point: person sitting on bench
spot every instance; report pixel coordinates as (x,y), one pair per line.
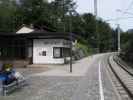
(8,73)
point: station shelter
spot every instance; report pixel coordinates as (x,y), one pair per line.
(36,46)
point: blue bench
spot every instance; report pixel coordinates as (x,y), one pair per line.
(13,85)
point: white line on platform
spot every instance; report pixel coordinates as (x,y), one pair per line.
(100,83)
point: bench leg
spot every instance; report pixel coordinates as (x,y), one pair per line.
(4,91)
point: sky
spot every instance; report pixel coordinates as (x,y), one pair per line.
(108,10)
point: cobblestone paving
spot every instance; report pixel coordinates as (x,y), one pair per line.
(32,70)
(46,88)
(66,87)
(89,86)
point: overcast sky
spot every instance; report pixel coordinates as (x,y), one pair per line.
(107,10)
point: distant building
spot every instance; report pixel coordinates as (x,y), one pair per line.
(36,46)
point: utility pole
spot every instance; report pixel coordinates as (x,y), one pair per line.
(95,8)
(118,27)
(64,26)
(96,26)
(118,30)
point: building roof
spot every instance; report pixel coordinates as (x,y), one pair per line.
(33,29)
(24,30)
(30,33)
(40,35)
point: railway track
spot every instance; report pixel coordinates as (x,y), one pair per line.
(122,78)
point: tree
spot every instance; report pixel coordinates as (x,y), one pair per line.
(61,10)
(60,15)
(105,36)
(127,46)
(44,13)
(7,10)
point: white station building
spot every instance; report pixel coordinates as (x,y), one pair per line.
(50,51)
(37,47)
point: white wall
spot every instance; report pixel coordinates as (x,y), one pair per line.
(47,45)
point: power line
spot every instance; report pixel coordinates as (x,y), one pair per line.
(124,12)
(120,18)
(129,7)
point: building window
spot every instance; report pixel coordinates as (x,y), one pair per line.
(57,52)
(42,53)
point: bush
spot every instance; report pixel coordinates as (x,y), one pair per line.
(81,50)
(127,49)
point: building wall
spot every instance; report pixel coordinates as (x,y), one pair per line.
(43,50)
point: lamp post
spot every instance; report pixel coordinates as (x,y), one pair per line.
(70,52)
(70,30)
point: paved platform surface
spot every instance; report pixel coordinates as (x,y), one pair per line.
(79,68)
(58,84)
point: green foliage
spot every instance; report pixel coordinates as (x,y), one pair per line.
(6,15)
(86,50)
(127,46)
(105,36)
(85,26)
(60,15)
(83,47)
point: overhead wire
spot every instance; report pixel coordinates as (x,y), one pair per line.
(127,9)
(130,6)
(120,18)
(123,12)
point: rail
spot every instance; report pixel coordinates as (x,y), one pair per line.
(118,74)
